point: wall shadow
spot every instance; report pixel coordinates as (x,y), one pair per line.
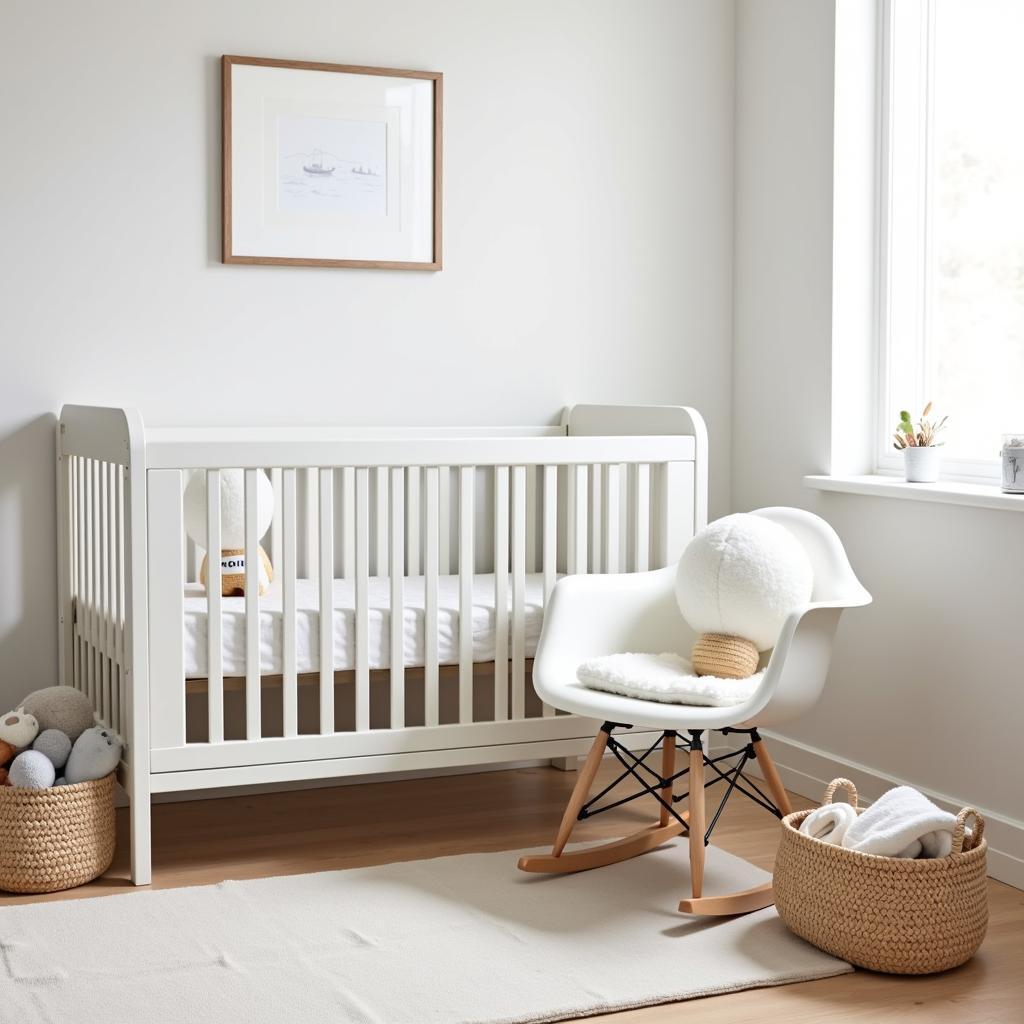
(28,556)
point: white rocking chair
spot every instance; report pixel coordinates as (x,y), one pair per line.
(589,616)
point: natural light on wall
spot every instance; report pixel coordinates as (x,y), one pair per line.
(952,310)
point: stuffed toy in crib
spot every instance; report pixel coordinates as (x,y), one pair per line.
(737,581)
(232,526)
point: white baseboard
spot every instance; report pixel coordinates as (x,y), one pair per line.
(807,771)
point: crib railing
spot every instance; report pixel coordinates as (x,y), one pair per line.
(95,617)
(359,508)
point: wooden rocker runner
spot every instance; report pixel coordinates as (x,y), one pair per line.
(589,616)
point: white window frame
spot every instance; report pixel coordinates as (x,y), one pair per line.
(904,270)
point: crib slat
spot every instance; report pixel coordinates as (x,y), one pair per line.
(253,686)
(444,519)
(362,599)
(519,592)
(550,529)
(275,522)
(431,694)
(467,483)
(76,563)
(113,473)
(412,521)
(214,659)
(326,601)
(531,518)
(576,516)
(103,706)
(596,525)
(380,560)
(397,603)
(348,523)
(90,580)
(310,532)
(501,593)
(166,606)
(610,503)
(289,570)
(642,520)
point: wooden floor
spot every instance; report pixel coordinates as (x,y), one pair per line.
(206,841)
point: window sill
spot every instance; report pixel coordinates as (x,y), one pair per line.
(946,492)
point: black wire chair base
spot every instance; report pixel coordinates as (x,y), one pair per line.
(727,768)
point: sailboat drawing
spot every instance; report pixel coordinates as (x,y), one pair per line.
(317,166)
(365,172)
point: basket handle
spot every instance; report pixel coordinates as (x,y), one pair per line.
(960,844)
(841,784)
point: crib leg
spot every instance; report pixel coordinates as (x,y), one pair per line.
(565,764)
(140,828)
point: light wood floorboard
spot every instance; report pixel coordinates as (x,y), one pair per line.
(205,841)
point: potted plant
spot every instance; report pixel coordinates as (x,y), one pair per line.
(919,447)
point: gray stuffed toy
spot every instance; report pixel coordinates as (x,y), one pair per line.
(95,754)
(55,745)
(59,707)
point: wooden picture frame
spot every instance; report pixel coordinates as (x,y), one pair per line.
(379,221)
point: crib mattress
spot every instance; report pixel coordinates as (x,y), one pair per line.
(307,624)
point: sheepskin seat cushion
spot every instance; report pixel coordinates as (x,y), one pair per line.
(667,678)
(741,576)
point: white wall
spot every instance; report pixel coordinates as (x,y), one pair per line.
(588,235)
(927,684)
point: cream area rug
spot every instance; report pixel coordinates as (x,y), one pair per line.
(453,940)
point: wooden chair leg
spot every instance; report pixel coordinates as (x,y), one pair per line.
(668,768)
(580,792)
(696,820)
(771,776)
(617,850)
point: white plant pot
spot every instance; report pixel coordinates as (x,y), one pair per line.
(921,465)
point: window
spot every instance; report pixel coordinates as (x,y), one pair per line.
(951,315)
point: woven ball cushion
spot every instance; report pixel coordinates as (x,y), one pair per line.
(667,678)
(741,576)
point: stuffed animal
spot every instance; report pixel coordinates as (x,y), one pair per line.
(59,707)
(232,526)
(737,581)
(7,751)
(3,777)
(55,745)
(18,729)
(95,754)
(31,770)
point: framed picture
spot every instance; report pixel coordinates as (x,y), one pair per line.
(331,165)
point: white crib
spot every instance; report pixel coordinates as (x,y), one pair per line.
(411,571)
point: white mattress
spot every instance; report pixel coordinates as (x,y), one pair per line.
(307,624)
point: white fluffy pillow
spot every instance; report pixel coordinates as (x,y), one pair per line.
(742,576)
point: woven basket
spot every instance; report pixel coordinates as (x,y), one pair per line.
(884,913)
(55,838)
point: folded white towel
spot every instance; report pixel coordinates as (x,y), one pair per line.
(897,821)
(829,823)
(667,678)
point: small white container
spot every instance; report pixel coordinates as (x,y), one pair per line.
(921,464)
(1012,455)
